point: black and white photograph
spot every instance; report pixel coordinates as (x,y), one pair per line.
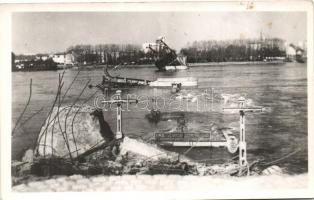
(159,100)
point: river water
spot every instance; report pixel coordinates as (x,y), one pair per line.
(278,131)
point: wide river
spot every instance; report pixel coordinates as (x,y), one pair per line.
(273,134)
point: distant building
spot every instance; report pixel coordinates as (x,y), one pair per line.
(69,59)
(291,52)
(301,55)
(59,58)
(299,52)
(20,66)
(23,58)
(42,57)
(45,57)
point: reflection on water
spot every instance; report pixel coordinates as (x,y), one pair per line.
(279,131)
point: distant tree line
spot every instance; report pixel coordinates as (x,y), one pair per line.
(128,54)
(112,54)
(234,50)
(13,66)
(31,64)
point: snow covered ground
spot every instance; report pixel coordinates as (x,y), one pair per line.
(162,183)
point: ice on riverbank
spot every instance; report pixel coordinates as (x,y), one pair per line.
(69,129)
(145,150)
(167,82)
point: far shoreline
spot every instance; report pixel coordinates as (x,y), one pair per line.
(199,64)
(98,66)
(235,63)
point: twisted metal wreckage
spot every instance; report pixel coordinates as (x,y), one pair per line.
(72,142)
(166,59)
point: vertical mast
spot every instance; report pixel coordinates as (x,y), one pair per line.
(242,143)
(119,116)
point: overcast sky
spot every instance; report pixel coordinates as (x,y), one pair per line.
(49,32)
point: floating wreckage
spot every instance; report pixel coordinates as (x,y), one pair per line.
(156,116)
(166,58)
(168,82)
(122,81)
(115,82)
(175,87)
(182,137)
(112,82)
